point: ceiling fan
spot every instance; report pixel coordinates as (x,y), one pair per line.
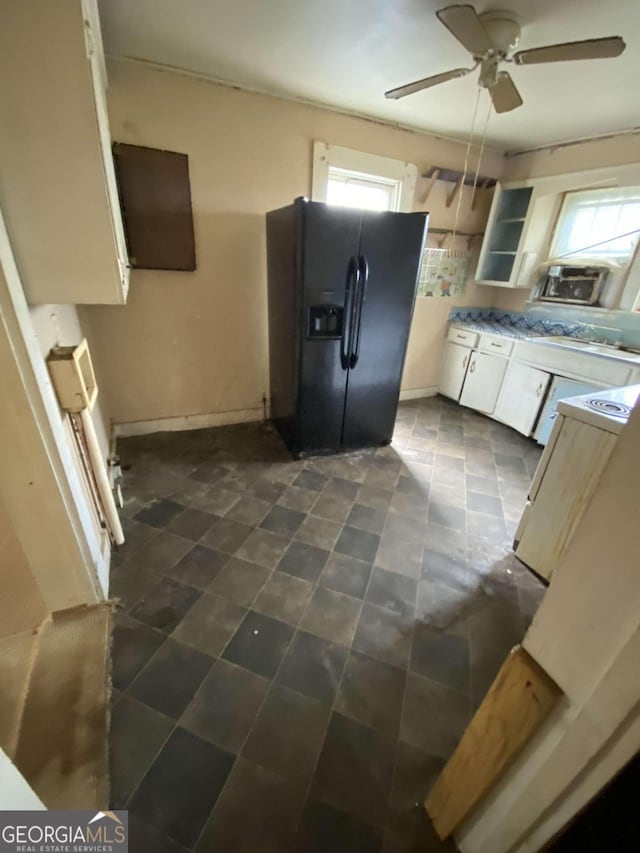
(491,39)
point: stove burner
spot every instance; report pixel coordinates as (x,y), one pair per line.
(609,407)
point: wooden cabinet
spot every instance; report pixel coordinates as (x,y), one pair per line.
(483,381)
(501,257)
(57,179)
(521,396)
(454,369)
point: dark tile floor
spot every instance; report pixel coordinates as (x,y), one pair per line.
(299,645)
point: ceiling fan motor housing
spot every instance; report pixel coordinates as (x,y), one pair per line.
(503,30)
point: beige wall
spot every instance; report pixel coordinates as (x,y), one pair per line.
(430,326)
(593,154)
(508,299)
(196,343)
(21,604)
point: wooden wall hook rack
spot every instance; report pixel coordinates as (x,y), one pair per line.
(454,176)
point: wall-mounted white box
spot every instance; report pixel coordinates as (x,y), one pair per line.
(73,377)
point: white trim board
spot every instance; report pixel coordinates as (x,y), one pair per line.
(185,422)
(417,393)
(325,156)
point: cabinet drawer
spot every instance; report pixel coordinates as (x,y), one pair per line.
(462,336)
(496,344)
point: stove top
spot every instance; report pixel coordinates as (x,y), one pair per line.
(608,407)
(608,410)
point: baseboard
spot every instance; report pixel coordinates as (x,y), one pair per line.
(214,419)
(182,422)
(416,393)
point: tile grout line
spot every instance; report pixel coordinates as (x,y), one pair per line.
(178,720)
(502,483)
(273,681)
(406,682)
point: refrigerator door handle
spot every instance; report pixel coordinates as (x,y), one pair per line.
(363,270)
(347,321)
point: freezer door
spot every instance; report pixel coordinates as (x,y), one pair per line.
(328,265)
(390,251)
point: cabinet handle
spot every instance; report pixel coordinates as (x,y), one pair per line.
(472,367)
(539,389)
(466,358)
(461,337)
(494,344)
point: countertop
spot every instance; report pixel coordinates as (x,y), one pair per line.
(493,328)
(608,410)
(544,337)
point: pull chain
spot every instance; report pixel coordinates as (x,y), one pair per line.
(484,138)
(466,165)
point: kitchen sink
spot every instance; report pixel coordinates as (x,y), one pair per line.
(610,350)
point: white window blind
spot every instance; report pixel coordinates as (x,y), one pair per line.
(598,224)
(347,188)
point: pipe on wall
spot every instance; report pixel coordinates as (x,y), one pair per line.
(101,477)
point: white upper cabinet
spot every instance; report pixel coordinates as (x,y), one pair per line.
(57,181)
(502,257)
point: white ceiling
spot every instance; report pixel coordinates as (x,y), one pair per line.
(346,53)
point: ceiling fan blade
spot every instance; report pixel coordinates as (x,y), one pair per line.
(604,48)
(463,22)
(426,83)
(504,94)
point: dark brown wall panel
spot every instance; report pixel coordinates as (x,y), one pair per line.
(155,197)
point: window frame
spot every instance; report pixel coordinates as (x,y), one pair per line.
(327,156)
(566,197)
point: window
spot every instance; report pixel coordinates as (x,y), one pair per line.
(355,179)
(601,224)
(357,189)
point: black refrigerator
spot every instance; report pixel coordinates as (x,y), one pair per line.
(342,286)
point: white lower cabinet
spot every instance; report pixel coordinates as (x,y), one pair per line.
(521,396)
(565,480)
(483,381)
(454,368)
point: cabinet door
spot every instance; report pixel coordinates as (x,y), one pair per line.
(574,464)
(454,367)
(56,176)
(483,380)
(521,396)
(95,52)
(561,388)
